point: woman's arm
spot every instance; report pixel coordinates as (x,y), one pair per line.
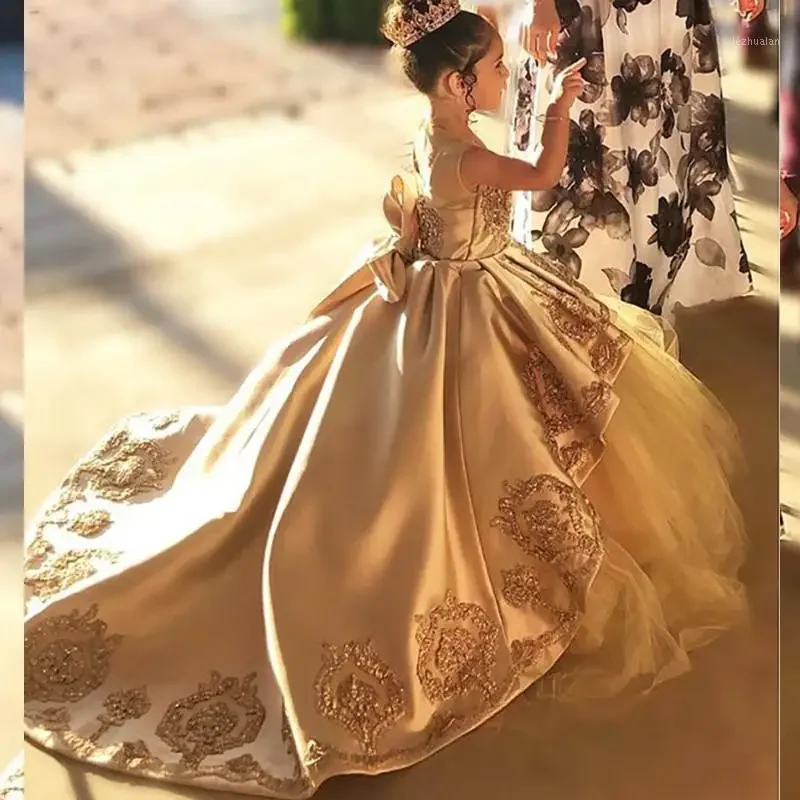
(490,12)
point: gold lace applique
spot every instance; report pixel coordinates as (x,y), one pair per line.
(431,228)
(529,653)
(135,757)
(314,754)
(124,466)
(356,689)
(65,570)
(589,324)
(90,524)
(67,657)
(555,268)
(569,424)
(457,651)
(122,707)
(553,522)
(495,208)
(522,589)
(223,714)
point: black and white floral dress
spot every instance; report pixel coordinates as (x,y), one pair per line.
(644,208)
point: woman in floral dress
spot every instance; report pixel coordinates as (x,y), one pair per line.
(645,207)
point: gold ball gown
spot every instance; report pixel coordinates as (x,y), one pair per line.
(462,479)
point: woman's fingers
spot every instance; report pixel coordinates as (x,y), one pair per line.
(574,68)
(542,42)
(539,50)
(489,13)
(573,80)
(552,41)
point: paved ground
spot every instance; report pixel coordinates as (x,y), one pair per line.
(158,271)
(103,72)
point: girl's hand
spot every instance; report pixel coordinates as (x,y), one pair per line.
(544,30)
(568,85)
(788,213)
(750,10)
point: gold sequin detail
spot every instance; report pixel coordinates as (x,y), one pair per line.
(121,468)
(65,570)
(431,228)
(314,754)
(67,657)
(522,589)
(223,714)
(495,208)
(555,268)
(457,651)
(121,707)
(589,325)
(529,653)
(553,522)
(360,692)
(89,524)
(135,758)
(572,426)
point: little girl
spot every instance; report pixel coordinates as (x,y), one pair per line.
(463,478)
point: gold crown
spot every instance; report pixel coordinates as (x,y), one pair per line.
(411,24)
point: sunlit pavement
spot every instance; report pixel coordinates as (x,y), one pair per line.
(158,272)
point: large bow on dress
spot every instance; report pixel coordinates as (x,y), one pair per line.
(387,260)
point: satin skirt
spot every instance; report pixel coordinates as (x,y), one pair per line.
(428,500)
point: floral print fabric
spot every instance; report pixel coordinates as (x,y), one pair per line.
(644,208)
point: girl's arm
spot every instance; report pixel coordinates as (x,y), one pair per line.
(480,167)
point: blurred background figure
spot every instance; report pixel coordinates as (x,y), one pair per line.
(166,250)
(11,406)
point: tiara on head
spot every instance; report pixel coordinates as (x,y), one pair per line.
(412,24)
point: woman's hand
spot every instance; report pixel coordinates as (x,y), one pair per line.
(489,13)
(544,30)
(568,85)
(788,213)
(750,10)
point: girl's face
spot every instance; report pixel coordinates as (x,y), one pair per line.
(492,76)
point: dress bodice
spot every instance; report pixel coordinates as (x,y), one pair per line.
(456,223)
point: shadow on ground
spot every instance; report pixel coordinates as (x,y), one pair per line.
(86,243)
